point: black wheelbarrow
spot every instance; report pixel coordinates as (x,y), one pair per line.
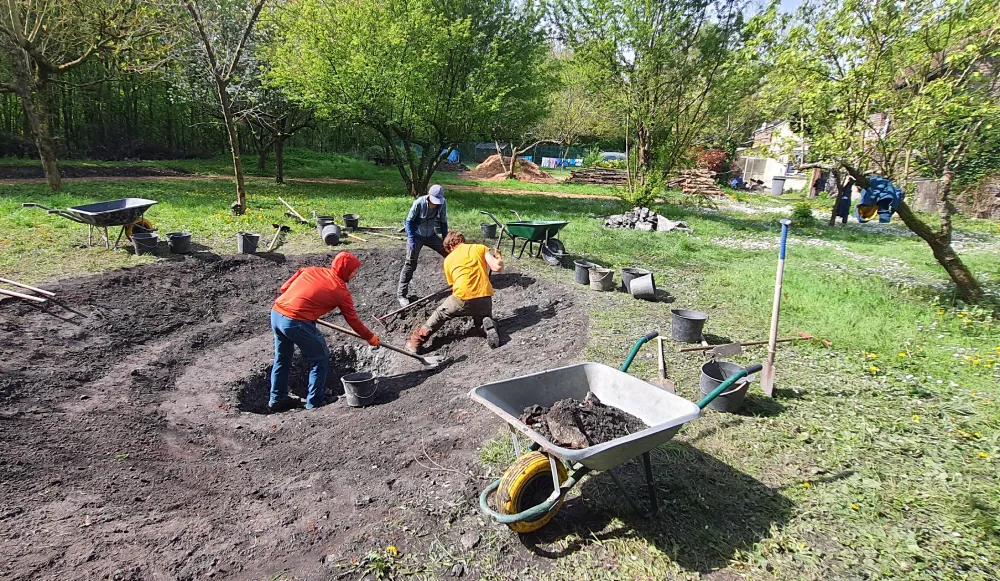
(543,233)
(127,213)
(532,489)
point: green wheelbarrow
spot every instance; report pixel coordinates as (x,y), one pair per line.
(531,232)
(532,489)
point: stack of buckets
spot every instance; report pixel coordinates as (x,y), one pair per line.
(636,281)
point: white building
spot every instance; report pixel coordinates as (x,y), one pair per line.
(777,150)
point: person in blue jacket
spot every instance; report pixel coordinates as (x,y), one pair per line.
(428,215)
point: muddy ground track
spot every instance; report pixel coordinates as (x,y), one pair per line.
(134,447)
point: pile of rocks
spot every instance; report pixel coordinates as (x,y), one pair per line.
(640,218)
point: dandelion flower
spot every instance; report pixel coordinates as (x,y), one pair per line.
(916,418)
(901,354)
(854,507)
(984,455)
(807,485)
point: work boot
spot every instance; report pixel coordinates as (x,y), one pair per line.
(403,301)
(492,337)
(417,339)
(282,405)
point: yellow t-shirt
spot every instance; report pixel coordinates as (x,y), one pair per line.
(466,271)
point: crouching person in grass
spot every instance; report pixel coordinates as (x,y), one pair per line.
(310,294)
(467,269)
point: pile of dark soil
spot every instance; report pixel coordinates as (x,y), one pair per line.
(492,169)
(133,447)
(78,171)
(575,424)
(452,167)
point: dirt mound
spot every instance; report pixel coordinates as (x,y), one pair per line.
(452,167)
(77,171)
(492,169)
(578,424)
(133,447)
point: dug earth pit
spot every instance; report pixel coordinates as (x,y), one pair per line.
(134,446)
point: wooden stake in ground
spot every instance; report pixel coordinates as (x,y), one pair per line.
(767,374)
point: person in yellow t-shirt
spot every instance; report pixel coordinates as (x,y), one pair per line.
(467,269)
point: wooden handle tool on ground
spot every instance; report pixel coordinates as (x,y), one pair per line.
(18,295)
(28,287)
(428,360)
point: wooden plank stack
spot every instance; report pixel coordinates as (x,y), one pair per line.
(697,181)
(598,176)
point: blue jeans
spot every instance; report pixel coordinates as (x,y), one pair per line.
(410,264)
(287,334)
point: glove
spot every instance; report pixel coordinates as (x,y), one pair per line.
(374,342)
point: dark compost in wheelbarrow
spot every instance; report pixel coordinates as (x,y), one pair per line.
(576,424)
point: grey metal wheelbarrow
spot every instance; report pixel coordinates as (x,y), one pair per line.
(532,489)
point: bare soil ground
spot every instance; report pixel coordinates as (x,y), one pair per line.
(134,447)
(77,171)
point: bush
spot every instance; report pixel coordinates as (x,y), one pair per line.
(611,164)
(592,157)
(802,215)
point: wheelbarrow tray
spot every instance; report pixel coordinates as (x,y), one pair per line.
(110,213)
(663,412)
(535,231)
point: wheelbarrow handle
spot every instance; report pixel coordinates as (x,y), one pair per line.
(492,217)
(635,349)
(534,513)
(34,205)
(519,218)
(729,383)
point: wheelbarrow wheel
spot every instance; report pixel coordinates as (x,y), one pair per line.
(526,483)
(553,251)
(140,225)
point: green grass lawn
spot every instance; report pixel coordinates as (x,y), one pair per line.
(879,459)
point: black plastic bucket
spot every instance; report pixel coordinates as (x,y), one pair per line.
(686,326)
(323,222)
(351,220)
(359,388)
(246,242)
(489,230)
(331,234)
(581,274)
(145,242)
(179,242)
(713,374)
(629,273)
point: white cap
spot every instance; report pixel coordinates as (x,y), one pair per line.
(436,194)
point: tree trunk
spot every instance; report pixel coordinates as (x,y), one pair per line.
(645,156)
(279,155)
(33,102)
(968,287)
(234,144)
(261,160)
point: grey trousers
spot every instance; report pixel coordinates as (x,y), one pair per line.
(410,264)
(453,307)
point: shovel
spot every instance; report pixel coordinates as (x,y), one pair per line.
(428,360)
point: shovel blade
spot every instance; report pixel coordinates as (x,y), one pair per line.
(727,350)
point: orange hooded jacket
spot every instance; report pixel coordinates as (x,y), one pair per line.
(315,291)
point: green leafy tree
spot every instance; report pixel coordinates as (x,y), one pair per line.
(426,75)
(41,42)
(660,64)
(899,89)
(223,29)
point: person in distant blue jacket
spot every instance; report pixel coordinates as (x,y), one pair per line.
(428,214)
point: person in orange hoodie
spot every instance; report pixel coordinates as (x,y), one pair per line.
(311,293)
